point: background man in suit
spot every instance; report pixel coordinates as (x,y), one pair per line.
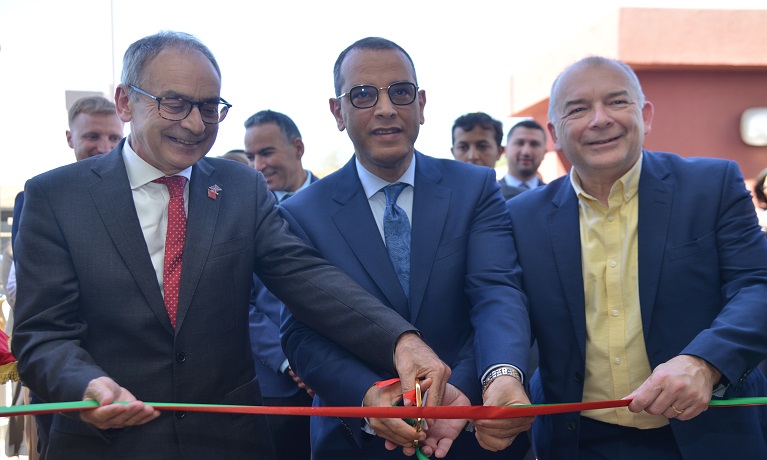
(109,292)
(273,143)
(635,290)
(525,149)
(477,139)
(94,129)
(451,275)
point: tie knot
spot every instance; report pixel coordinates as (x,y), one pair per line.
(175,184)
(392,192)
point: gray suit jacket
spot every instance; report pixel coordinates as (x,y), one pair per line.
(90,305)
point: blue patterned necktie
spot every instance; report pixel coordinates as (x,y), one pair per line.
(397,235)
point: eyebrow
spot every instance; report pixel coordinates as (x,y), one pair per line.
(175,95)
(618,93)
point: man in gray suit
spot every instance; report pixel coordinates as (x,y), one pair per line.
(110,309)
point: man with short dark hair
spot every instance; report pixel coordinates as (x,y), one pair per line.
(114,305)
(525,149)
(477,139)
(273,143)
(428,237)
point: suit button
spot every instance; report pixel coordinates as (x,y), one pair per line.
(578,377)
(180,414)
(572,426)
(181,356)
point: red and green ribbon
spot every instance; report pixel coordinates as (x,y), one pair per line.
(432,412)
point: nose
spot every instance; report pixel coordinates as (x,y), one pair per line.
(104,145)
(260,162)
(384,107)
(601,118)
(472,154)
(193,122)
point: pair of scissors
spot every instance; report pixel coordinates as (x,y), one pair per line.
(418,403)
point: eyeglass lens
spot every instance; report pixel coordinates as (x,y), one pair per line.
(178,109)
(365,96)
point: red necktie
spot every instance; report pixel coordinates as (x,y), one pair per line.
(174,242)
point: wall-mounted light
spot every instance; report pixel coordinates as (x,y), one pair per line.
(753,126)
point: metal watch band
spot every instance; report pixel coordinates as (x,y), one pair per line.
(495,373)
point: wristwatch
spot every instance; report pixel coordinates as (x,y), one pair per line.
(497,372)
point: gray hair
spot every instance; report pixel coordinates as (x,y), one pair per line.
(596,61)
(141,52)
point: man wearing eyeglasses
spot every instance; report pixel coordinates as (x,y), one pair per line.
(135,269)
(429,238)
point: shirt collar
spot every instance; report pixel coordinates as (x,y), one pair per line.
(627,185)
(140,172)
(372,184)
(280,193)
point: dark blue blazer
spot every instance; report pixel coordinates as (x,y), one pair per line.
(264,317)
(464,277)
(702,291)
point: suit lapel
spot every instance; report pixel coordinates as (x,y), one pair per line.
(655,198)
(430,206)
(356,224)
(564,230)
(201,223)
(113,198)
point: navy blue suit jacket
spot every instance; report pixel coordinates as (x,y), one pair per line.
(264,319)
(702,291)
(89,305)
(463,276)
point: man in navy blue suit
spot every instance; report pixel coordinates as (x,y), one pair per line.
(457,283)
(273,144)
(646,275)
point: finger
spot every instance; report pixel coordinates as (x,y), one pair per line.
(492,443)
(443,446)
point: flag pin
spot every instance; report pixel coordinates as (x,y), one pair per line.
(213,191)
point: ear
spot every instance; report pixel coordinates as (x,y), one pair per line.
(69,139)
(122,104)
(422,102)
(335,109)
(299,145)
(647,113)
(554,138)
(501,149)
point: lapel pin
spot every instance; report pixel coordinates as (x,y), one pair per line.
(213,191)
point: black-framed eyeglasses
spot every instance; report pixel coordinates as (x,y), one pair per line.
(366,96)
(176,109)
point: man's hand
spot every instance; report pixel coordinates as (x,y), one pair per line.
(106,391)
(415,360)
(498,434)
(680,388)
(300,383)
(395,431)
(442,433)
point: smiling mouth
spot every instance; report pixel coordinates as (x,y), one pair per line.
(387,131)
(182,141)
(606,141)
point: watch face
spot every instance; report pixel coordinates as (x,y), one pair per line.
(753,126)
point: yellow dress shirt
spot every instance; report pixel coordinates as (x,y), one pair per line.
(616,357)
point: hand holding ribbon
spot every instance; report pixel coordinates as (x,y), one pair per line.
(395,431)
(680,388)
(106,391)
(498,434)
